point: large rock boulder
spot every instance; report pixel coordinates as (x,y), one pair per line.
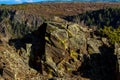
(55,50)
(93,45)
(65,42)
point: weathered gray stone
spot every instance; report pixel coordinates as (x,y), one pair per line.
(28,47)
(56,52)
(93,45)
(60,38)
(14,66)
(117,53)
(74,29)
(61,47)
(78,42)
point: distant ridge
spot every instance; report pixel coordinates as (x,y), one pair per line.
(51,1)
(55,1)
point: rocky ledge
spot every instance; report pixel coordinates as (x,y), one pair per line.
(34,49)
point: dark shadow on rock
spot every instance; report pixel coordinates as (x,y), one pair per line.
(1,72)
(100,66)
(37,53)
(17,43)
(38,48)
(85,67)
(118,76)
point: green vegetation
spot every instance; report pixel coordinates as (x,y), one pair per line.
(99,18)
(3,14)
(15,28)
(112,34)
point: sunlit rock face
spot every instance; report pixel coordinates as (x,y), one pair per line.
(34,49)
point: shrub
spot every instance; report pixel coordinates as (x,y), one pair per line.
(113,34)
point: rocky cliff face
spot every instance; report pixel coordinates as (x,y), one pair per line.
(16,24)
(34,49)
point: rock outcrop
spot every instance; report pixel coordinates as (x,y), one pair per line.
(17,23)
(52,50)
